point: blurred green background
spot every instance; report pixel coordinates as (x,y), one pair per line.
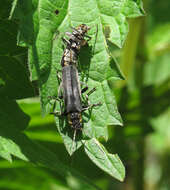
(143,144)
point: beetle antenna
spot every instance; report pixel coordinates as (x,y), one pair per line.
(74,137)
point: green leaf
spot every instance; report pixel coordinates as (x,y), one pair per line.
(110,163)
(161,135)
(158,44)
(4,153)
(21,170)
(5,8)
(113,17)
(13,68)
(14,119)
(8,37)
(16,83)
(38,27)
(157,70)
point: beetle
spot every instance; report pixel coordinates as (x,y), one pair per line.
(74,44)
(72,97)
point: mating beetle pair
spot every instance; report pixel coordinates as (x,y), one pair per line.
(72,94)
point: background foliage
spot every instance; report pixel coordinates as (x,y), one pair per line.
(143,102)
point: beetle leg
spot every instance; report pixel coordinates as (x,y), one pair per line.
(89,38)
(66,41)
(89,93)
(69,34)
(73,28)
(84,89)
(91,106)
(56,113)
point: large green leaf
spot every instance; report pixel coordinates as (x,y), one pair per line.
(39,25)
